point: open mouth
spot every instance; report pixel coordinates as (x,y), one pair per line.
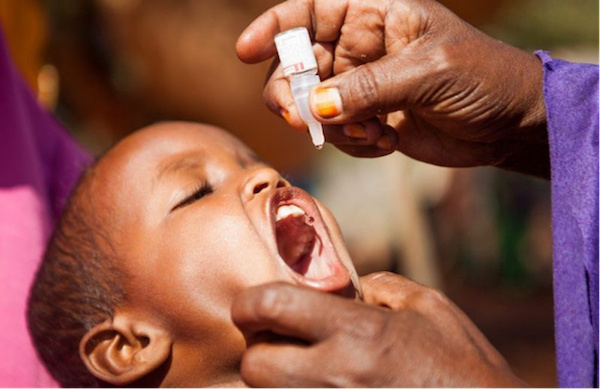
(304,244)
(296,239)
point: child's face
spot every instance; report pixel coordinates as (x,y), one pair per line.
(195,218)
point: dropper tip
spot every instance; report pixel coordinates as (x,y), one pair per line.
(316,133)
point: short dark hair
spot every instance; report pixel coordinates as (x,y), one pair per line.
(77,287)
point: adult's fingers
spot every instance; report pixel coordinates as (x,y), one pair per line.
(277,94)
(388,289)
(386,85)
(292,311)
(424,142)
(365,133)
(278,98)
(323,19)
(267,365)
(396,292)
(380,139)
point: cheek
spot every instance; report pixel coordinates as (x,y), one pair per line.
(338,241)
(207,261)
(332,226)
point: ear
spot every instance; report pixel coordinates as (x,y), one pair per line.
(124,349)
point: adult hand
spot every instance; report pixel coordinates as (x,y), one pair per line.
(410,336)
(455,96)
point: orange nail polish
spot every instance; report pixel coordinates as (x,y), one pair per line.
(384,142)
(328,102)
(286,115)
(355,130)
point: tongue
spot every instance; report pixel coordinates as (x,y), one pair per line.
(295,239)
(298,245)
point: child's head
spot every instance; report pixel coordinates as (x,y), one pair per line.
(158,238)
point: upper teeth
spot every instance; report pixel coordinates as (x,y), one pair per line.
(288,210)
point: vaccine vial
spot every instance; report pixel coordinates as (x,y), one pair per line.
(300,67)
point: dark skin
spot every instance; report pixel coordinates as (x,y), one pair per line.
(406,335)
(190,211)
(412,77)
(444,92)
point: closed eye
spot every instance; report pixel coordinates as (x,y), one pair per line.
(204,190)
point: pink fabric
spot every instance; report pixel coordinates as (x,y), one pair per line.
(39,164)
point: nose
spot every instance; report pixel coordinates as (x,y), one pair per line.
(262,179)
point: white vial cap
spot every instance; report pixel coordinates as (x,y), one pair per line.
(295,51)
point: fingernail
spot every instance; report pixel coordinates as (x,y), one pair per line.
(328,102)
(385,142)
(286,115)
(355,130)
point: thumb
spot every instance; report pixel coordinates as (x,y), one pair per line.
(372,89)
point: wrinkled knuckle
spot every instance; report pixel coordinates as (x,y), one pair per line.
(367,84)
(373,276)
(384,274)
(377,336)
(444,59)
(387,276)
(349,378)
(436,57)
(379,278)
(360,364)
(372,327)
(433,299)
(272,302)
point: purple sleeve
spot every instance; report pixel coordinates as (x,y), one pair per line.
(39,164)
(571,97)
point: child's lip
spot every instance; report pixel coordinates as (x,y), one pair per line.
(339,280)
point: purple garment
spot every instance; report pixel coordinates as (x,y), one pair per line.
(571,97)
(39,164)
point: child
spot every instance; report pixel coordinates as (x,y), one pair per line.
(158,238)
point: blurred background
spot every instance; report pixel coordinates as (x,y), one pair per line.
(483,236)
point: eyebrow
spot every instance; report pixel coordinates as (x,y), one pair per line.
(189,162)
(250,155)
(178,165)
